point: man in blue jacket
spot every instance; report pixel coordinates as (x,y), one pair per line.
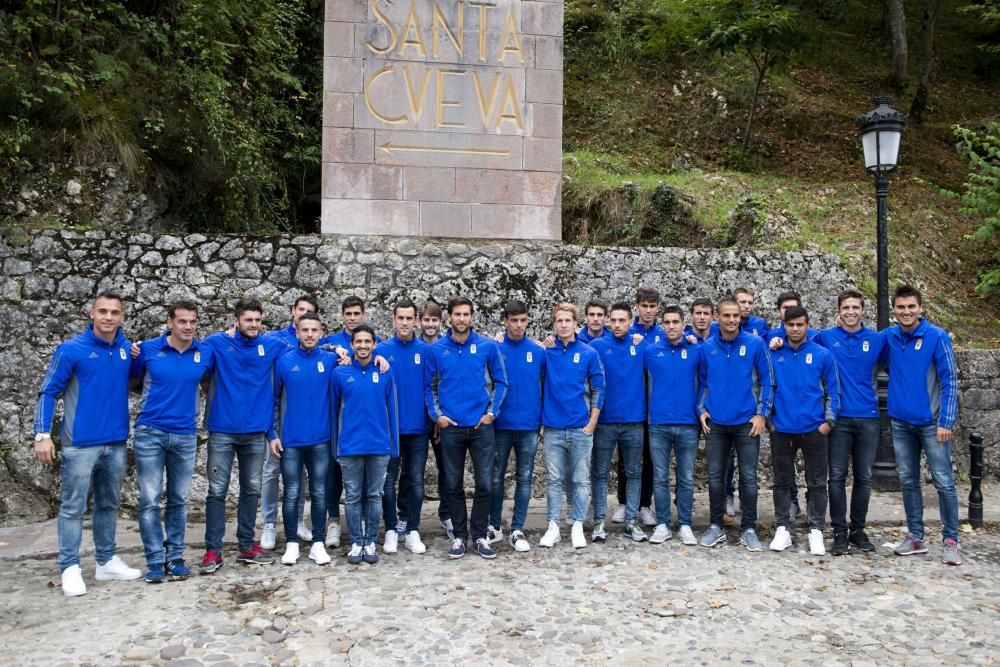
(854,439)
(169,369)
(737,386)
(516,427)
(806,405)
(302,434)
(430,333)
(923,406)
(595,315)
(573,395)
(239,413)
(702,312)
(621,421)
(464,388)
(91,373)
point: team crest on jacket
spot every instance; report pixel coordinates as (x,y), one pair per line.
(755,333)
(528,357)
(576,358)
(684,354)
(809,358)
(197,356)
(864,346)
(631,348)
(472,348)
(375,378)
(919,344)
(416,358)
(320,367)
(123,354)
(260,350)
(743,350)
(656,339)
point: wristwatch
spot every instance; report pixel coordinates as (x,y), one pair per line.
(42,436)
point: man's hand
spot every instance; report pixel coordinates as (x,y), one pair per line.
(704,422)
(383,365)
(444,422)
(692,339)
(549,341)
(499,337)
(485,419)
(135,350)
(776,343)
(45,451)
(757,425)
(637,338)
(276,448)
(590,428)
(943,435)
(824,429)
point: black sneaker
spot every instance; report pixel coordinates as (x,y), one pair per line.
(483,549)
(457,548)
(841,547)
(255,556)
(861,541)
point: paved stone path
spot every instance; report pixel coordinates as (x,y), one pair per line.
(619,602)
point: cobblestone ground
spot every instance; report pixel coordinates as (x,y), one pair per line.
(618,602)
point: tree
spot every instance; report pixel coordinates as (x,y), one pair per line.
(897,30)
(919,104)
(981,193)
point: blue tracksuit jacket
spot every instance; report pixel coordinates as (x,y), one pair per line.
(652,335)
(779,332)
(737,381)
(407,361)
(585,337)
(302,392)
(753,325)
(673,385)
(574,385)
(923,379)
(524,361)
(624,381)
(365,417)
(807,391)
(857,355)
(464,381)
(170,382)
(289,335)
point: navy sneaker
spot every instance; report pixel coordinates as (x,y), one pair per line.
(177,570)
(354,556)
(154,573)
(369,555)
(457,548)
(484,549)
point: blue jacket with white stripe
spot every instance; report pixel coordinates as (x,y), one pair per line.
(574,385)
(365,415)
(170,382)
(736,377)
(923,378)
(302,392)
(807,390)
(624,380)
(407,358)
(464,381)
(524,361)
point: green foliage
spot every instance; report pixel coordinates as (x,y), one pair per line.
(981,194)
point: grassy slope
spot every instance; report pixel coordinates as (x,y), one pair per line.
(650,121)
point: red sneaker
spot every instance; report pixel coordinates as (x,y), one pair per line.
(210,563)
(255,556)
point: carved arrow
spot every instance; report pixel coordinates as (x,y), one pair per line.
(389,147)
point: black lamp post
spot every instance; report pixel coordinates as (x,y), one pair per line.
(881,130)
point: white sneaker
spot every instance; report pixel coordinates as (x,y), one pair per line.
(687,536)
(647,517)
(782,539)
(413,542)
(816,546)
(333,533)
(551,535)
(391,543)
(268,536)
(72,582)
(291,554)
(493,535)
(519,541)
(661,534)
(304,533)
(576,534)
(116,570)
(318,554)
(618,516)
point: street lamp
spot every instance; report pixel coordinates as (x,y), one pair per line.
(881,130)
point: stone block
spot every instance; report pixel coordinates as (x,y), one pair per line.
(495,186)
(429,183)
(548,52)
(346,10)
(338,109)
(543,154)
(346,145)
(543,85)
(338,39)
(523,222)
(448,150)
(447,220)
(361,181)
(343,75)
(546,121)
(541,18)
(369,216)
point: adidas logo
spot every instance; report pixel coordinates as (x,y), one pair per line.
(231,349)
(93,355)
(781,360)
(350,380)
(659,354)
(295,368)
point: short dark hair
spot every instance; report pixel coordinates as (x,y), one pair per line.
(248,303)
(726,301)
(850,294)
(795,312)
(702,301)
(742,290)
(790,295)
(597,303)
(352,301)
(647,295)
(675,309)
(431,308)
(404,303)
(181,304)
(621,305)
(111,295)
(308,298)
(514,307)
(311,316)
(906,291)
(457,301)
(363,328)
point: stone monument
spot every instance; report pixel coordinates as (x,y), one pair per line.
(443,118)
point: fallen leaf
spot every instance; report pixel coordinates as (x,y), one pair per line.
(715,604)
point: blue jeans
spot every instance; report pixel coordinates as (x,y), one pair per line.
(443,514)
(334,488)
(157,452)
(413,449)
(315,459)
(629,438)
(567,454)
(249,449)
(102,466)
(719,443)
(854,440)
(524,445)
(269,491)
(682,439)
(907,441)
(364,479)
(481,447)
(389,494)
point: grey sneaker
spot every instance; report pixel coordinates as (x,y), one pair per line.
(910,546)
(714,535)
(599,533)
(661,534)
(951,555)
(730,506)
(635,532)
(750,540)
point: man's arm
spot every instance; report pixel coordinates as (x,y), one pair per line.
(498,373)
(596,379)
(56,379)
(831,385)
(392,399)
(944,362)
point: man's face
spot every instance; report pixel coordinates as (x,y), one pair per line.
(460,318)
(851,311)
(595,319)
(746,304)
(430,325)
(107,314)
(795,330)
(701,318)
(353,317)
(309,333)
(647,312)
(300,309)
(404,320)
(516,326)
(673,325)
(907,311)
(729,319)
(183,325)
(620,322)
(565,325)
(785,305)
(363,344)
(248,323)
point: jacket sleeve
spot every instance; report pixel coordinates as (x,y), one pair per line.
(498,373)
(765,374)
(701,406)
(944,361)
(335,397)
(431,380)
(831,384)
(272,432)
(57,376)
(393,405)
(595,375)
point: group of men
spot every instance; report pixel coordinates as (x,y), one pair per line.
(354,414)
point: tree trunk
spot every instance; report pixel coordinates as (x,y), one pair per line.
(761,71)
(897,30)
(919,104)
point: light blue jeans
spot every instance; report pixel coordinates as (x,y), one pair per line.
(364,481)
(907,441)
(629,437)
(682,439)
(158,452)
(269,496)
(102,466)
(567,454)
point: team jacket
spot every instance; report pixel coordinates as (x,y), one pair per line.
(673,382)
(342,339)
(652,335)
(170,382)
(585,337)
(753,325)
(689,331)
(779,332)
(407,361)
(923,380)
(464,381)
(736,378)
(807,391)
(92,377)
(288,335)
(302,390)
(525,363)
(241,392)
(365,417)
(857,356)
(574,385)
(624,381)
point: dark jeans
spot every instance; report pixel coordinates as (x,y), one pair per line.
(249,449)
(524,444)
(814,451)
(793,487)
(646,485)
(412,466)
(389,494)
(443,514)
(719,443)
(316,460)
(853,440)
(456,441)
(334,489)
